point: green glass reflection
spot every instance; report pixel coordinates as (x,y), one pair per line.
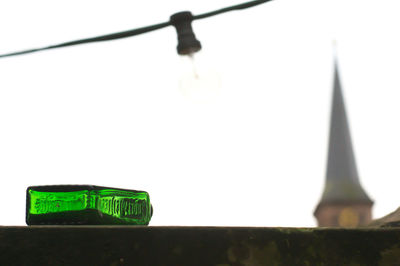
(52,202)
(95,205)
(118,204)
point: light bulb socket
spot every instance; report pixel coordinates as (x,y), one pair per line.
(187,42)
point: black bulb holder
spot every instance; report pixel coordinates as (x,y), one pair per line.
(187,42)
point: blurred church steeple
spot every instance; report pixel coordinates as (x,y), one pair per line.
(344,202)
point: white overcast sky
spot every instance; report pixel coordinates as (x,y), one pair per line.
(112,113)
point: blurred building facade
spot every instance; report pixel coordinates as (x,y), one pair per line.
(344,202)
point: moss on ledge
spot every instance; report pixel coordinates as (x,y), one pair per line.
(107,245)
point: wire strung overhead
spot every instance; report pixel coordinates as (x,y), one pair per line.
(138,31)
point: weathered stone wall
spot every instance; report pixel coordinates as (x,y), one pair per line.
(130,245)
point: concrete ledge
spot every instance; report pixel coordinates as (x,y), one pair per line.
(134,245)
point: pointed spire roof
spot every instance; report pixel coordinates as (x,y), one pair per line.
(342,183)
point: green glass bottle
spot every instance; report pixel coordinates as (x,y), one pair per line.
(86,205)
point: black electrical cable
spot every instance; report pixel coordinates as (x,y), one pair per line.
(134,32)
(108,37)
(231,8)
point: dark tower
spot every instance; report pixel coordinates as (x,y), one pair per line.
(344,202)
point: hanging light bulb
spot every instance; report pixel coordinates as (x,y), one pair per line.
(198,83)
